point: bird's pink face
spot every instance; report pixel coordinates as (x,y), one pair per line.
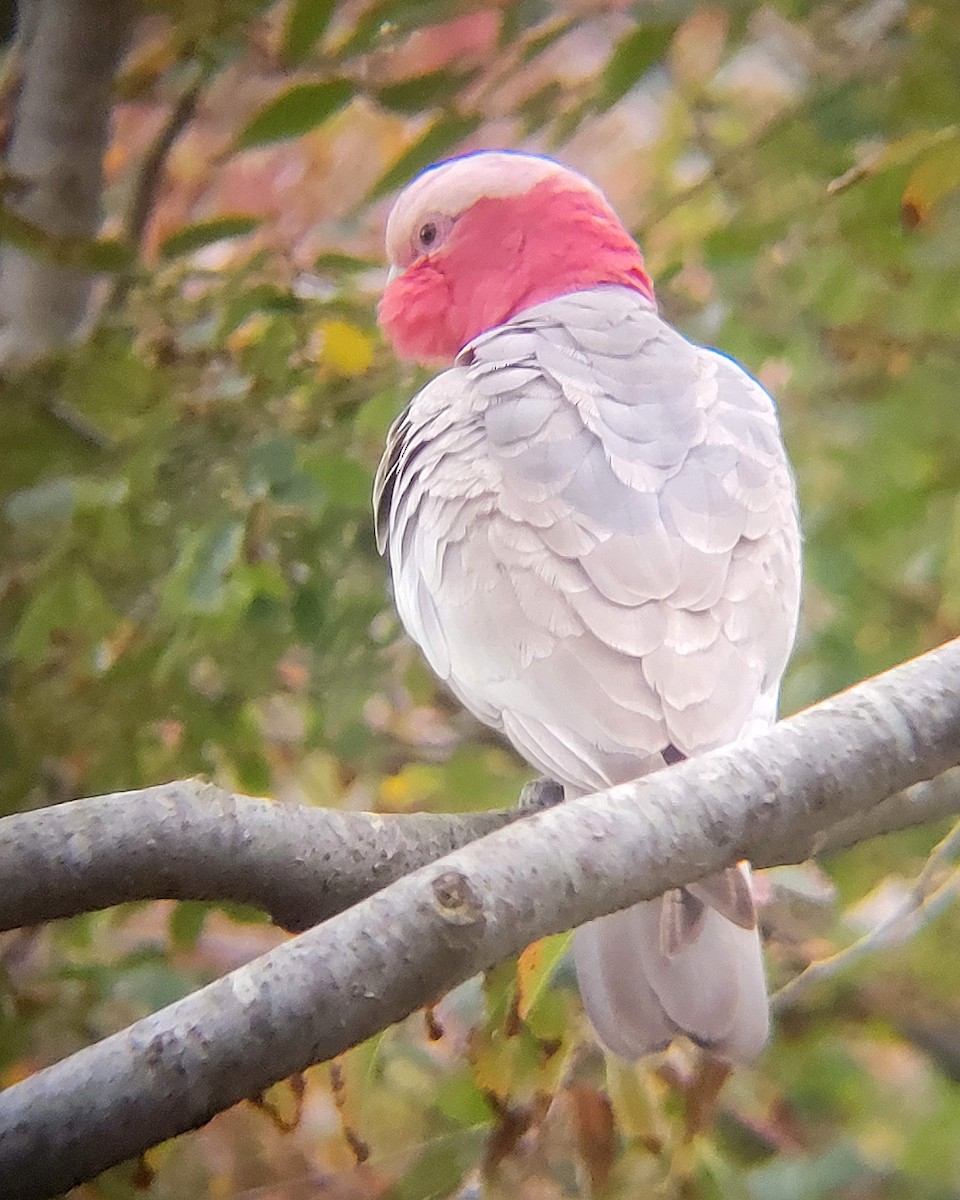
(478,239)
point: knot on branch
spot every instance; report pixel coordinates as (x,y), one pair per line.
(456,900)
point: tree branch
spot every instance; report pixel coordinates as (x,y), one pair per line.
(70,50)
(921,804)
(193,841)
(341,982)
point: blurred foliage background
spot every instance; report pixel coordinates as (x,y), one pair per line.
(189,584)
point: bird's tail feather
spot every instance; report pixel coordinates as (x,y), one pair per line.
(687,963)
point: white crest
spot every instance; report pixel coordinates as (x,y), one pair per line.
(452,187)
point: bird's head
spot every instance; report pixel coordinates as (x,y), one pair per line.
(477,239)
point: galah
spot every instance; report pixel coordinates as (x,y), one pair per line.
(592,533)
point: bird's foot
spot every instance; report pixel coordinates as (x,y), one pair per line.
(540,793)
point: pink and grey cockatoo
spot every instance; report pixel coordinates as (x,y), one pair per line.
(592,533)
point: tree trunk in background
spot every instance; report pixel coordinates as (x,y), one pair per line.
(69,53)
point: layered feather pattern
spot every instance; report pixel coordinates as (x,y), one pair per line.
(592,532)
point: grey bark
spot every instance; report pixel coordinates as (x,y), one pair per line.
(190,840)
(767,799)
(69,53)
(918,805)
(193,841)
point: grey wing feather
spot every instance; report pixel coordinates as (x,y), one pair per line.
(586,496)
(593,537)
(386,478)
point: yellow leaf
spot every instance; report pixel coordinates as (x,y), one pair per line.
(535,968)
(494,1066)
(638,1098)
(934,177)
(899,153)
(346,348)
(528,968)
(412,784)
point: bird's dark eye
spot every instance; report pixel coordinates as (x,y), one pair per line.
(430,234)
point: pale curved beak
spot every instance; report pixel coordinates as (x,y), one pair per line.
(392,274)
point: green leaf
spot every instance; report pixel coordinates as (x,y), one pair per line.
(440,1168)
(541,107)
(334,263)
(424,91)
(310,612)
(271,463)
(191,238)
(432,144)
(299,109)
(385,23)
(346,483)
(107,254)
(186,923)
(523,16)
(307,22)
(262,297)
(73,605)
(461,1101)
(633,55)
(215,554)
(809,1178)
(149,984)
(370,25)
(243,914)
(201,577)
(567,123)
(548,37)
(56,500)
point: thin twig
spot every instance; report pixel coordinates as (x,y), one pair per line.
(922,904)
(154,161)
(150,177)
(85,430)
